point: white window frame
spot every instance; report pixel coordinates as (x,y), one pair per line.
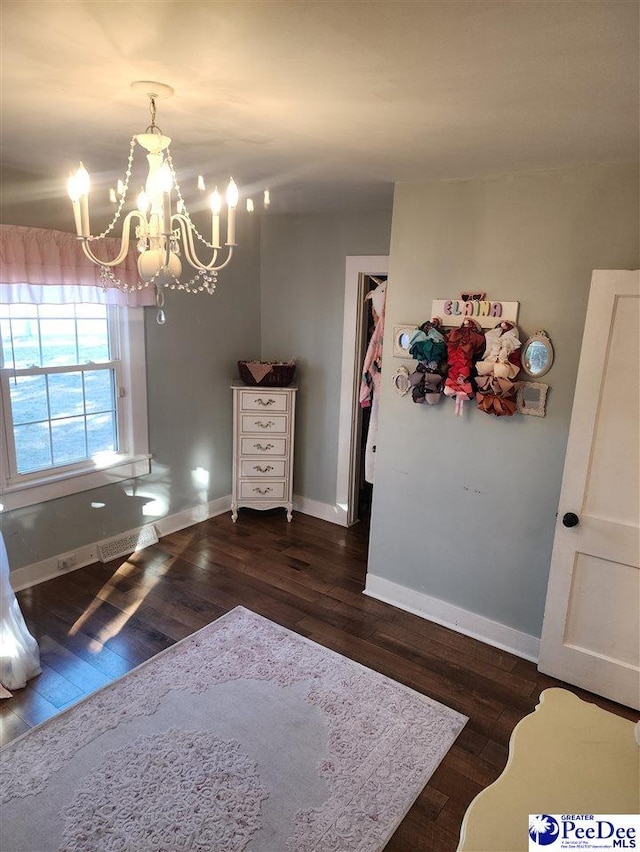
(132,459)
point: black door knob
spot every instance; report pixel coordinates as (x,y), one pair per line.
(570,519)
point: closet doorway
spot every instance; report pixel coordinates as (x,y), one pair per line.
(353,495)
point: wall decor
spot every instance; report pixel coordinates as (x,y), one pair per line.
(401,381)
(497,370)
(428,346)
(537,355)
(531,398)
(485,312)
(401,339)
(465,344)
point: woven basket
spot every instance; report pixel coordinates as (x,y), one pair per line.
(279,376)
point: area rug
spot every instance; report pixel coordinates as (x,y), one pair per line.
(243,736)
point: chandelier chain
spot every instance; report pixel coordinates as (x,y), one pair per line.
(153,127)
(123,197)
(185,212)
(210,280)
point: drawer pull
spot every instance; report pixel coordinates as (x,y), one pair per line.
(260,401)
(264,425)
(264,449)
(262,490)
(260,469)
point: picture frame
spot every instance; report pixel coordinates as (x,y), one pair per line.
(401,336)
(531,398)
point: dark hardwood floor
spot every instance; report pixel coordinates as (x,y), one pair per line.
(95,624)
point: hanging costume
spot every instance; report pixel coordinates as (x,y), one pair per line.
(371,378)
(464,345)
(497,370)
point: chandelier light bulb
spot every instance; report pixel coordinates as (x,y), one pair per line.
(232,194)
(165,178)
(201,185)
(72,187)
(267,198)
(112,196)
(142,202)
(83,182)
(215,202)
(250,207)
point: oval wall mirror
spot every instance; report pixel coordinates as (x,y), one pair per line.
(537,355)
(402,381)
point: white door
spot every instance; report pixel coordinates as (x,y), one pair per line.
(591,630)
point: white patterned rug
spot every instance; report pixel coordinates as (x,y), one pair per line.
(244,736)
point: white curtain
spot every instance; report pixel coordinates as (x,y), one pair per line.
(19,654)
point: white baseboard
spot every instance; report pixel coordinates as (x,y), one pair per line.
(182,520)
(324,511)
(462,620)
(38,572)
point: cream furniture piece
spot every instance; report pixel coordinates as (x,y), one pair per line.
(263,433)
(567,757)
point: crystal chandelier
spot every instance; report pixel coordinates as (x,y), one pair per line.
(163,235)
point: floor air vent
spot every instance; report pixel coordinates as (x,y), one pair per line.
(123,545)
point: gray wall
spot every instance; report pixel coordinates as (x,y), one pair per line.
(302,274)
(191,362)
(464,508)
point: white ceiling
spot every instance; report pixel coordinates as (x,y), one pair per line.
(325,103)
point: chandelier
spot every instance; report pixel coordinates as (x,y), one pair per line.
(165,236)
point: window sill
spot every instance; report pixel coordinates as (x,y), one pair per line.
(16,495)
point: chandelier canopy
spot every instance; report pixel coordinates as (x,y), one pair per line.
(165,236)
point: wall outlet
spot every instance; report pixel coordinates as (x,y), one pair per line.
(66,563)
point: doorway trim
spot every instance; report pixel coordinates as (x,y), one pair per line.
(355,267)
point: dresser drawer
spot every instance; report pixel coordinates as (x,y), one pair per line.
(267,446)
(263,401)
(264,423)
(262,469)
(261,490)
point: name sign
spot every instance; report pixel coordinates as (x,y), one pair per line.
(487,313)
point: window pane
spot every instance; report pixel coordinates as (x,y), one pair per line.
(91,311)
(65,394)
(93,340)
(58,342)
(99,390)
(28,399)
(68,440)
(63,310)
(19,311)
(32,447)
(26,351)
(101,433)
(7,351)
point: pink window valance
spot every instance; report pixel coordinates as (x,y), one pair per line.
(46,266)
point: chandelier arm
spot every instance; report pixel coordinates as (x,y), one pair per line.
(189,248)
(227,261)
(125,242)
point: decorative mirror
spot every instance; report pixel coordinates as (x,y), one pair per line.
(537,355)
(401,381)
(401,337)
(531,398)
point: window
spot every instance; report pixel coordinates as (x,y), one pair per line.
(73,399)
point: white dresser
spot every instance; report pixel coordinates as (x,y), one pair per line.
(263,433)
